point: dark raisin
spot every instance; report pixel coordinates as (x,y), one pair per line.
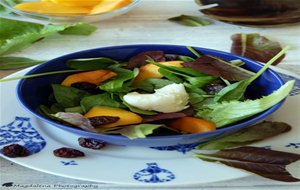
(68,153)
(15,150)
(101,120)
(84,86)
(213,88)
(91,143)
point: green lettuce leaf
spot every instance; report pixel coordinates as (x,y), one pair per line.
(16,35)
(138,131)
(225,113)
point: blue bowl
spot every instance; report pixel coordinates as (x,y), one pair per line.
(33,92)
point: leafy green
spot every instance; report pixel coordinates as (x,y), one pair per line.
(16,35)
(169,75)
(196,100)
(219,68)
(80,28)
(200,81)
(191,49)
(185,58)
(121,83)
(91,63)
(75,119)
(236,90)
(225,113)
(68,96)
(7,63)
(188,20)
(246,136)
(11,3)
(256,47)
(152,83)
(266,163)
(38,75)
(138,131)
(76,109)
(104,99)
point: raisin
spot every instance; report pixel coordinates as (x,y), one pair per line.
(15,150)
(68,153)
(213,88)
(91,143)
(84,86)
(101,120)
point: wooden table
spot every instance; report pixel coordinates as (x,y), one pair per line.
(148,24)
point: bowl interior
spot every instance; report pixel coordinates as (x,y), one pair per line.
(33,92)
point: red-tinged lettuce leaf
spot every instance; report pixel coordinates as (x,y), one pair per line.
(165,116)
(219,68)
(256,47)
(246,136)
(141,58)
(75,119)
(266,163)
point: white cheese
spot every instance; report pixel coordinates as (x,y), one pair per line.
(171,98)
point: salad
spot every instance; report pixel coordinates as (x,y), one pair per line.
(157,94)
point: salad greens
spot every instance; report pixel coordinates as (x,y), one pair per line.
(16,35)
(222,107)
(17,62)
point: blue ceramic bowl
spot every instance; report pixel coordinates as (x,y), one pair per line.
(35,91)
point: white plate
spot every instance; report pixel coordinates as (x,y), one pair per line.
(125,165)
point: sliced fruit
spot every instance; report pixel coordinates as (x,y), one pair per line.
(151,71)
(126,117)
(45,7)
(192,125)
(109,5)
(94,77)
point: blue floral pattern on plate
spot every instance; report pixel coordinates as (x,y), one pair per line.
(183,148)
(69,163)
(21,132)
(154,174)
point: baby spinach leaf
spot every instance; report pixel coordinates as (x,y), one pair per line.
(150,84)
(236,90)
(185,58)
(68,96)
(256,47)
(263,162)
(219,68)
(17,62)
(121,83)
(169,75)
(247,136)
(91,63)
(225,113)
(16,35)
(188,20)
(196,100)
(104,99)
(200,81)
